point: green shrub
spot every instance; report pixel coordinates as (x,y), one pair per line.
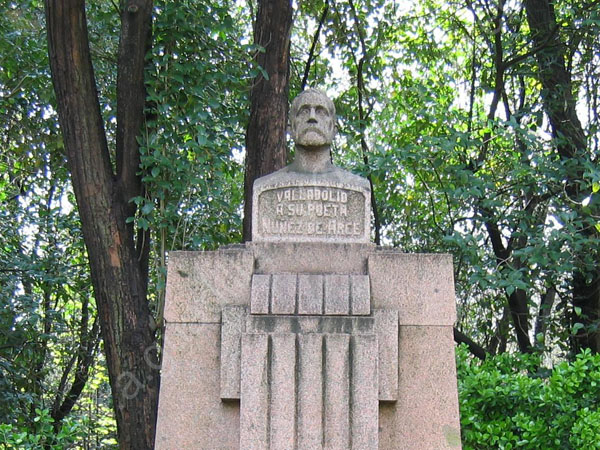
(41,434)
(507,402)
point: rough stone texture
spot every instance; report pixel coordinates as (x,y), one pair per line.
(310,388)
(313,324)
(310,258)
(333,378)
(254,401)
(337,392)
(425,416)
(260,299)
(360,295)
(364,402)
(283,293)
(419,286)
(201,283)
(232,327)
(296,207)
(236,322)
(283,391)
(310,294)
(337,295)
(191,414)
(386,327)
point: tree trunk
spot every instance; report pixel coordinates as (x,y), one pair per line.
(266,149)
(560,106)
(517,299)
(119,273)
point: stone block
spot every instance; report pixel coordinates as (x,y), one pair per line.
(310,324)
(310,391)
(233,324)
(303,208)
(191,414)
(283,293)
(306,390)
(364,403)
(199,284)
(260,298)
(386,327)
(311,374)
(282,396)
(426,414)
(337,392)
(310,257)
(310,294)
(360,295)
(337,295)
(419,286)
(254,400)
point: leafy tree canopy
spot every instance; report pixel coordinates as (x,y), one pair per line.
(476,123)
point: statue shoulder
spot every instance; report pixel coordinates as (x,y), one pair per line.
(288,176)
(276,177)
(347,177)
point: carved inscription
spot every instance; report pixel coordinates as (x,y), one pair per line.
(312,211)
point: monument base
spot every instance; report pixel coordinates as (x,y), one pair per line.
(239,341)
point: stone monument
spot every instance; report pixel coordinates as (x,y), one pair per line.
(311,200)
(309,337)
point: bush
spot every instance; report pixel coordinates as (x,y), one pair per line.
(507,402)
(41,435)
(74,432)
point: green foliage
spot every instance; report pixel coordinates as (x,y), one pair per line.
(507,402)
(454,138)
(192,145)
(197,85)
(47,310)
(41,434)
(452,148)
(72,433)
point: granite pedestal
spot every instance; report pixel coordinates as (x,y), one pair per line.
(282,379)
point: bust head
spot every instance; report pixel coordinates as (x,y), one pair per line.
(312,119)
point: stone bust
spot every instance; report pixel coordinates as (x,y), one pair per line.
(313,127)
(312,123)
(311,199)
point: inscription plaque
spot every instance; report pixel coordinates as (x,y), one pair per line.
(312,213)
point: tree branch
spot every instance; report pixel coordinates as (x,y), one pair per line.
(118,278)
(476,350)
(541,323)
(266,147)
(362,120)
(314,45)
(88,346)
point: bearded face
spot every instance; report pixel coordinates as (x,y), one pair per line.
(313,125)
